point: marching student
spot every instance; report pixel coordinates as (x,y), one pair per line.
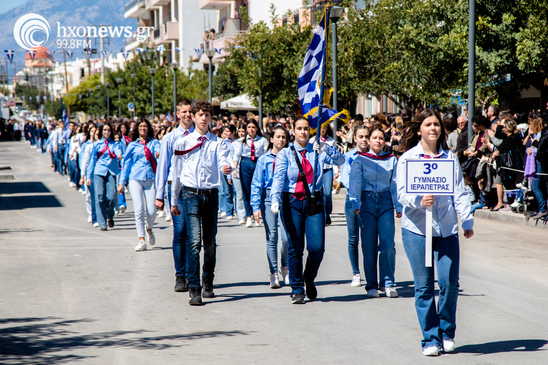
(139,166)
(261,204)
(197,163)
(302,207)
(425,138)
(239,205)
(326,136)
(247,151)
(91,136)
(374,195)
(164,177)
(361,134)
(103,167)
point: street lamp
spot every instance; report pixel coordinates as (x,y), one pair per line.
(174,66)
(90,100)
(335,15)
(133,84)
(152,71)
(98,87)
(119,81)
(260,88)
(108,101)
(210,53)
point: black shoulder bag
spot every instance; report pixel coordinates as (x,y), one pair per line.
(312,201)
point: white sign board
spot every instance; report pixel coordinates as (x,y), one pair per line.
(131,107)
(430,176)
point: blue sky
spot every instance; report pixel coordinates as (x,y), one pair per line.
(8,5)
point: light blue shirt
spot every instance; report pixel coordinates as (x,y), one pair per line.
(202,167)
(163,170)
(286,171)
(445,208)
(85,145)
(349,157)
(135,165)
(374,175)
(244,149)
(104,164)
(262,179)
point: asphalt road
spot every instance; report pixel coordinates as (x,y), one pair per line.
(70,293)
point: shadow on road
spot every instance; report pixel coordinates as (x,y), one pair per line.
(26,202)
(503,346)
(25,187)
(48,340)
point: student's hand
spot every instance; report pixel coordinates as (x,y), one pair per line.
(468,233)
(257,216)
(88,183)
(120,189)
(235,173)
(227,169)
(175,210)
(157,154)
(81,181)
(357,211)
(159,204)
(275,208)
(398,214)
(427,200)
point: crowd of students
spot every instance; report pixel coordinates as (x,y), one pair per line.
(281,179)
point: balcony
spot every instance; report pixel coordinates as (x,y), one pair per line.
(214,4)
(157,3)
(170,31)
(232,29)
(152,4)
(135,9)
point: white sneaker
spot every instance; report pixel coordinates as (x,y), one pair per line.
(356,280)
(72,185)
(89,219)
(122,209)
(142,246)
(168,217)
(515,204)
(223,214)
(431,351)
(248,223)
(373,293)
(274,281)
(241,221)
(161,214)
(229,217)
(96,225)
(448,345)
(284,271)
(151,238)
(391,293)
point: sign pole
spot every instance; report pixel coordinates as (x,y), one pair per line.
(428,248)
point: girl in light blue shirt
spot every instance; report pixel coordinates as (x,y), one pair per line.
(425,139)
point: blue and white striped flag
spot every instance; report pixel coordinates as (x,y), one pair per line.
(310,76)
(64,115)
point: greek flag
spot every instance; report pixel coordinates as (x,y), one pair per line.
(64,115)
(310,76)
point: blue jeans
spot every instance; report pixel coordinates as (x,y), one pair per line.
(201,225)
(271,228)
(247,168)
(105,197)
(536,187)
(226,196)
(93,204)
(179,235)
(353,229)
(299,225)
(327,178)
(121,197)
(436,324)
(60,158)
(377,234)
(238,196)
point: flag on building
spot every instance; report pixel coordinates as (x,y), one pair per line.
(70,54)
(32,53)
(9,54)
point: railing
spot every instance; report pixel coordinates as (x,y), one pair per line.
(133,3)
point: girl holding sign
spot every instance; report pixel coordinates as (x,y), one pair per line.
(425,139)
(373,194)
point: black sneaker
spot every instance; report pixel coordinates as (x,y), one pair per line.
(297,298)
(194,297)
(110,223)
(328,220)
(208,288)
(104,229)
(181,284)
(311,291)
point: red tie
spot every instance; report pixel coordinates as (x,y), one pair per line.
(185,134)
(112,155)
(323,139)
(307,168)
(184,152)
(149,156)
(252,150)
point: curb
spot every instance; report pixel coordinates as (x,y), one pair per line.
(509,217)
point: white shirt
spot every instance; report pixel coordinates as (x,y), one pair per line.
(244,149)
(201,167)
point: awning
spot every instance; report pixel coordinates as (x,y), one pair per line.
(241,102)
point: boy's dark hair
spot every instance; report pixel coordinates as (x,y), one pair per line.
(202,105)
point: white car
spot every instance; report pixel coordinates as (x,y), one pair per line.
(35,117)
(23,113)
